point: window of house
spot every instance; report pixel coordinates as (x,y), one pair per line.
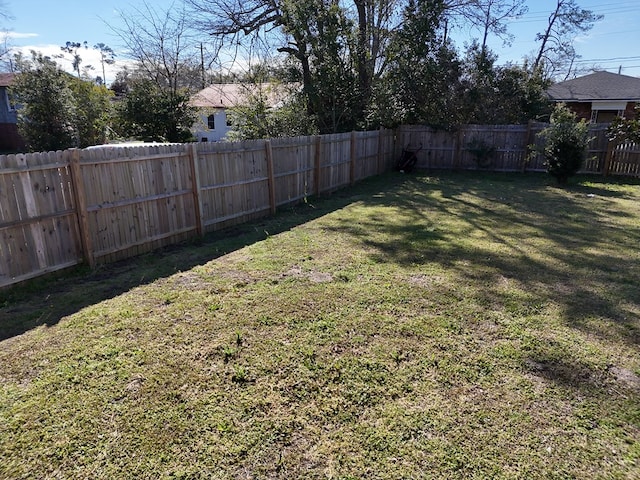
(211,122)
(605,116)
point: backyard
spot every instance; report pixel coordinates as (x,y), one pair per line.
(429,326)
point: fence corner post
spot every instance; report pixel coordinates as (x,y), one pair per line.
(194,165)
(80,198)
(271,175)
(352,164)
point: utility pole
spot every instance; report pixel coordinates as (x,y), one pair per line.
(202,65)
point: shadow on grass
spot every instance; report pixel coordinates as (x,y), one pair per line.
(47,300)
(558,244)
(543,249)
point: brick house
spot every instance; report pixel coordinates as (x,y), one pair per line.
(10,140)
(598,97)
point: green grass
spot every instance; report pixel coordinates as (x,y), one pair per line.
(452,326)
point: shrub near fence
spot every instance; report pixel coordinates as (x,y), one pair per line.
(100,205)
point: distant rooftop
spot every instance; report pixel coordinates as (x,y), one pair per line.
(229,95)
(596,86)
(6,79)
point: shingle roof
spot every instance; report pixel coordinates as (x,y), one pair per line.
(228,95)
(6,79)
(597,86)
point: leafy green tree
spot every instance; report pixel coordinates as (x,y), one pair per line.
(625,129)
(92,113)
(422,81)
(565,143)
(501,95)
(57,110)
(151,113)
(45,119)
(256,119)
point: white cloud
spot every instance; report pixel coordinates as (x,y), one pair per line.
(18,35)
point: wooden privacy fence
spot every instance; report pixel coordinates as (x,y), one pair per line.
(100,205)
(443,149)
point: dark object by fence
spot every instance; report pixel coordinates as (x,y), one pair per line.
(408,159)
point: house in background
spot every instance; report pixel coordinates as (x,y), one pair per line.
(599,97)
(213,104)
(10,140)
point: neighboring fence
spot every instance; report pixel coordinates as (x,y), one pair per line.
(450,149)
(100,205)
(623,159)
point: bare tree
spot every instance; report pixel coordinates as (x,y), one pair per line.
(4,11)
(5,48)
(490,17)
(162,43)
(556,50)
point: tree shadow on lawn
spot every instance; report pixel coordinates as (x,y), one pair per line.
(547,240)
(45,301)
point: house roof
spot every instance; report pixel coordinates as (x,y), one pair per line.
(596,86)
(228,95)
(6,79)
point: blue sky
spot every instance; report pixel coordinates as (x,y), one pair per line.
(44,25)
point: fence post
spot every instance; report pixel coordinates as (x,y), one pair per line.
(381,168)
(458,150)
(528,141)
(611,148)
(272,180)
(316,165)
(194,165)
(80,199)
(352,165)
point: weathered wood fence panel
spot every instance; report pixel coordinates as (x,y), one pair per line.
(335,165)
(440,149)
(294,170)
(234,182)
(625,160)
(38,225)
(140,198)
(106,204)
(597,149)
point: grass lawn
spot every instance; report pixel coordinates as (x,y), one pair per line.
(450,326)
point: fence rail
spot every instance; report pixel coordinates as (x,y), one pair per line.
(59,209)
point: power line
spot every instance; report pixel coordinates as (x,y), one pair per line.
(615,9)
